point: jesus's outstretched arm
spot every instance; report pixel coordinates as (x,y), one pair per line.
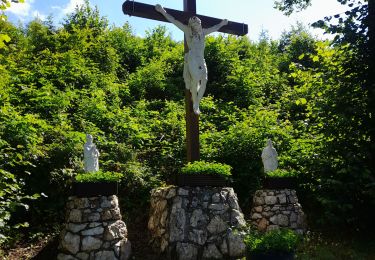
(215,27)
(171,19)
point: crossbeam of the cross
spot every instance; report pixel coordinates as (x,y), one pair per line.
(148,11)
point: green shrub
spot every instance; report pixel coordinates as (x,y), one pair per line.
(281,241)
(98,177)
(202,167)
(279,173)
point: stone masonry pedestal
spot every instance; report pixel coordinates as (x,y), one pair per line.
(94,230)
(196,223)
(273,209)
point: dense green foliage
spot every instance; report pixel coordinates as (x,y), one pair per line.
(87,77)
(276,241)
(202,167)
(98,176)
(279,173)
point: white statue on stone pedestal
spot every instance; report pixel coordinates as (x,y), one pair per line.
(195,69)
(269,157)
(90,155)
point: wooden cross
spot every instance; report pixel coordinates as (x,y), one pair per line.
(148,11)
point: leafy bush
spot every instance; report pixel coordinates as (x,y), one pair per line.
(98,176)
(279,173)
(12,199)
(202,167)
(280,241)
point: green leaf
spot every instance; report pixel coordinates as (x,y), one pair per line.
(202,167)
(4,38)
(99,177)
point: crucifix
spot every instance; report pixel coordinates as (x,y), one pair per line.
(195,27)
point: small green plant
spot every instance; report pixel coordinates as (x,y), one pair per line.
(202,167)
(98,176)
(279,173)
(282,241)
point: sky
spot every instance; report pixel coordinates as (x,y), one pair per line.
(258,14)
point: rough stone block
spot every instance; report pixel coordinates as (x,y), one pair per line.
(171,193)
(177,225)
(106,215)
(75,216)
(125,250)
(218,206)
(237,248)
(237,218)
(217,225)
(256,216)
(116,214)
(262,225)
(186,251)
(115,230)
(270,200)
(75,228)
(92,217)
(198,218)
(215,198)
(258,200)
(283,220)
(211,252)
(183,192)
(65,257)
(70,242)
(233,202)
(83,256)
(91,243)
(81,203)
(93,231)
(281,198)
(198,236)
(105,255)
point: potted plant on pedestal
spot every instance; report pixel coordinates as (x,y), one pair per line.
(279,179)
(96,183)
(279,244)
(201,173)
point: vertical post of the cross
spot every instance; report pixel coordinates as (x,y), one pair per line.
(192,120)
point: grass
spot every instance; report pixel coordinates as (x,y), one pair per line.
(320,246)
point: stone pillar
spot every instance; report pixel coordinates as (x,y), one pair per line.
(94,230)
(273,209)
(196,223)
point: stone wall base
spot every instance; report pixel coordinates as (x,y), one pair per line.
(273,209)
(94,230)
(196,223)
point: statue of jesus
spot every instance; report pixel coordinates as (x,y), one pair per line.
(195,69)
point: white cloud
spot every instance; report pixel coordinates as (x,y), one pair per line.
(56,7)
(39,15)
(21,9)
(71,6)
